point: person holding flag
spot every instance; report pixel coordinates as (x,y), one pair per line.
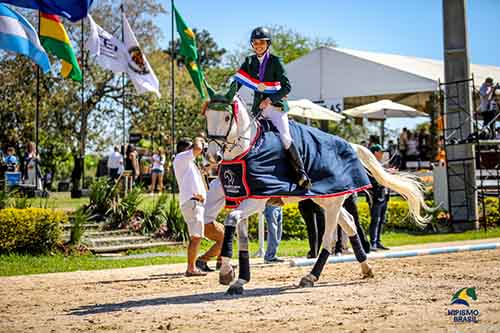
(264,73)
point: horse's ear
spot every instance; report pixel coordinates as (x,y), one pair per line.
(211,91)
(233,88)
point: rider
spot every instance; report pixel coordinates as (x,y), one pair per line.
(265,74)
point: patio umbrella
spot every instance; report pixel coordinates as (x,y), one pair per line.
(304,108)
(382,110)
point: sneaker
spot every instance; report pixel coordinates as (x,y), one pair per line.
(382,247)
(373,248)
(274,260)
(203,266)
(195,273)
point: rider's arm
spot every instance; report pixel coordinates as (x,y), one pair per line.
(245,66)
(286,87)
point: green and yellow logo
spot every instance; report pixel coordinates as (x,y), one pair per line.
(464,296)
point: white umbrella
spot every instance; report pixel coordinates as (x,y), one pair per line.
(304,108)
(384,109)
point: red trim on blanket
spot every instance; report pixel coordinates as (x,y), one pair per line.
(360,189)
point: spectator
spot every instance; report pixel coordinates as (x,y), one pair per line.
(132,162)
(192,195)
(274,219)
(488,106)
(378,205)
(158,170)
(314,217)
(31,173)
(115,163)
(412,152)
(423,144)
(394,157)
(403,147)
(11,162)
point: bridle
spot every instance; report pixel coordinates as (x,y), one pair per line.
(222,140)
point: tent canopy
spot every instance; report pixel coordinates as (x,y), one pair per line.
(328,73)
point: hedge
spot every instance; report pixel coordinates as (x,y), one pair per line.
(32,230)
(397,218)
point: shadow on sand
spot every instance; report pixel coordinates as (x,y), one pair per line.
(199,298)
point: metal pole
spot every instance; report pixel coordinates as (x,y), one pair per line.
(37,114)
(123,89)
(172,69)
(84,123)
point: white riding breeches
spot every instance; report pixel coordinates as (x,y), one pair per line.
(280,121)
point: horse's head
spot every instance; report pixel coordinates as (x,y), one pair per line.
(221,113)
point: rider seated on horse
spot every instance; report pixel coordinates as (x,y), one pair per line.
(265,74)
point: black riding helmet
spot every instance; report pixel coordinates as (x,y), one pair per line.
(261,33)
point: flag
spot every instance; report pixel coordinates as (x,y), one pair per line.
(56,41)
(189,51)
(139,70)
(18,35)
(119,57)
(109,52)
(73,10)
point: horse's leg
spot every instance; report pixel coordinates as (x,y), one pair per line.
(346,222)
(332,208)
(245,209)
(236,287)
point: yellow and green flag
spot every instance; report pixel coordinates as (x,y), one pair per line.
(55,40)
(190,53)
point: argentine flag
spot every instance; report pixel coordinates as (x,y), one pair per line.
(18,35)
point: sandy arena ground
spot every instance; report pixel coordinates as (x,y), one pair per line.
(407,295)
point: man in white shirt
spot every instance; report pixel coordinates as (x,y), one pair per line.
(115,163)
(192,196)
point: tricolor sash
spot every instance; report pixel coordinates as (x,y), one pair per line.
(264,87)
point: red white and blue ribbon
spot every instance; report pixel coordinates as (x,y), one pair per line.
(264,87)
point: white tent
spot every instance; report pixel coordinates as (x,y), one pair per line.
(329,73)
(304,108)
(384,109)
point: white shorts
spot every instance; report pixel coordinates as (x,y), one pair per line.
(193,212)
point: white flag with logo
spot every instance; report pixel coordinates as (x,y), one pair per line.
(109,52)
(139,70)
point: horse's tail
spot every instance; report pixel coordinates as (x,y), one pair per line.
(405,184)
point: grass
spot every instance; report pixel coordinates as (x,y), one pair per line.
(63,200)
(24,264)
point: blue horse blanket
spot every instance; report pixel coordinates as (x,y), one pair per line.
(265,170)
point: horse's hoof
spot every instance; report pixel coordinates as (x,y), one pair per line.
(235,290)
(226,279)
(305,282)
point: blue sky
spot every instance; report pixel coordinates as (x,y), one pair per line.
(407,27)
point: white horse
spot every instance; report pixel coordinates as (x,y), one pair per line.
(229,136)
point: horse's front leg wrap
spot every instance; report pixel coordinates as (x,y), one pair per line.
(244,266)
(226,274)
(357,248)
(320,263)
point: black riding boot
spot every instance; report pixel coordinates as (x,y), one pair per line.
(298,165)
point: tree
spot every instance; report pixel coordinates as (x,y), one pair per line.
(286,43)
(209,53)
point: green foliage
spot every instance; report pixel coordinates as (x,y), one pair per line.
(123,210)
(32,230)
(177,228)
(102,195)
(492,212)
(77,229)
(156,216)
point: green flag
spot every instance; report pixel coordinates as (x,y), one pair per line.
(189,51)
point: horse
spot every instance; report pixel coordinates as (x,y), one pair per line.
(232,131)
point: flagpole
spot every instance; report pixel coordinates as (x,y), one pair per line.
(37,115)
(83,122)
(123,90)
(172,69)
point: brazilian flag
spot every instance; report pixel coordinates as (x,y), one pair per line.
(190,52)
